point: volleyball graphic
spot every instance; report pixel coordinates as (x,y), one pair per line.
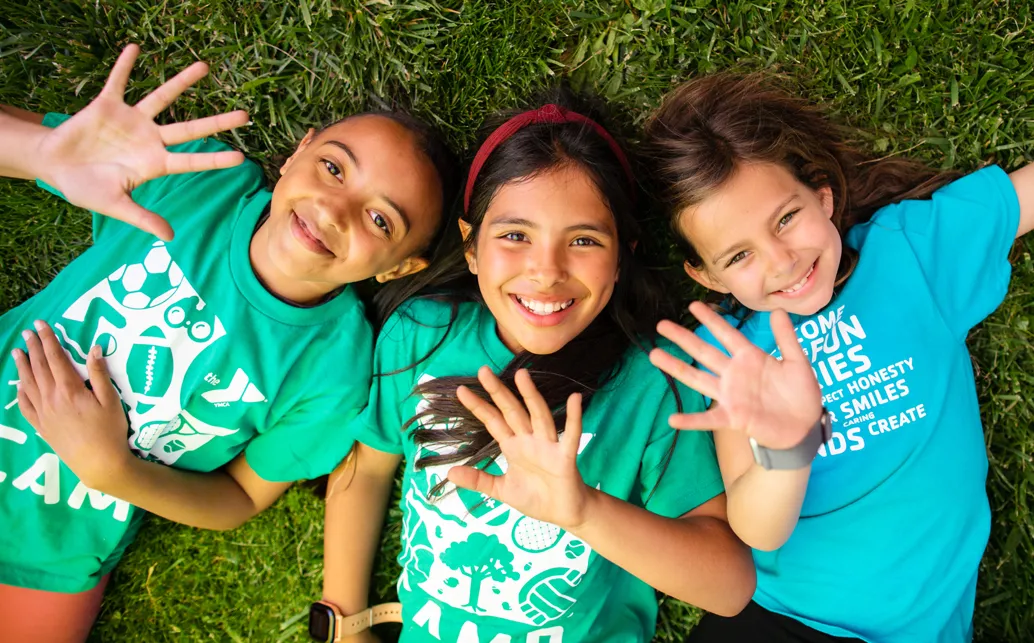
(547,596)
(147,284)
(534,535)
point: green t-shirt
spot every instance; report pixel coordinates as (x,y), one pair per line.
(473,569)
(208,363)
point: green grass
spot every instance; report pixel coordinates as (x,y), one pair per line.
(947,80)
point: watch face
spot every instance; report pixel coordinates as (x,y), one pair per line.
(321,622)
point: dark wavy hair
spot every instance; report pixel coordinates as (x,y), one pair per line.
(710,126)
(586,363)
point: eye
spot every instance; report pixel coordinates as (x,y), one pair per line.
(514,236)
(787,218)
(736,258)
(381,222)
(331,168)
(585,242)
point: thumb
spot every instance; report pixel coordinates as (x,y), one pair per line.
(474,480)
(126,209)
(100,381)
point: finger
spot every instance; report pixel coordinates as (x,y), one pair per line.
(38,363)
(712,358)
(26,380)
(126,209)
(100,381)
(488,414)
(115,86)
(513,411)
(170,90)
(182,163)
(696,379)
(732,339)
(474,480)
(715,419)
(786,337)
(60,366)
(542,422)
(573,428)
(28,410)
(176,133)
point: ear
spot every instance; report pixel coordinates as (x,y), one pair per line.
(409,266)
(304,143)
(469,255)
(704,278)
(826,200)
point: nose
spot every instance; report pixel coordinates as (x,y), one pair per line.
(781,259)
(547,265)
(338,211)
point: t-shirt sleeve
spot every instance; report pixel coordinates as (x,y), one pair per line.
(961,239)
(147,194)
(313,438)
(679,471)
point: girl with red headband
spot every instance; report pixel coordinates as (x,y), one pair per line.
(544,496)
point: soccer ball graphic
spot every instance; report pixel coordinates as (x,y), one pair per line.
(148,284)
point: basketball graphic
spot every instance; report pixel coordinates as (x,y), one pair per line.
(534,535)
(547,596)
(148,284)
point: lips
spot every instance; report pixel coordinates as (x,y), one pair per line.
(540,307)
(309,236)
(798,288)
(541,312)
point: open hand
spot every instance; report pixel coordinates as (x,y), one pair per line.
(100,155)
(541,479)
(86,429)
(774,401)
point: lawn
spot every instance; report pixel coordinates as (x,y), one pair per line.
(948,81)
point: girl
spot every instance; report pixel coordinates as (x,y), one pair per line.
(238,344)
(868,521)
(552,535)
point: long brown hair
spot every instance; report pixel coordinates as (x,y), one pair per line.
(708,127)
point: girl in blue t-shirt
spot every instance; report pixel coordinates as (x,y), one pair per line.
(571,504)
(848,283)
(229,360)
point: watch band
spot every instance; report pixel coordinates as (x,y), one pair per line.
(356,623)
(799,456)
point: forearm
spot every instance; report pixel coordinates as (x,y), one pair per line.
(21,137)
(696,559)
(764,505)
(356,504)
(211,500)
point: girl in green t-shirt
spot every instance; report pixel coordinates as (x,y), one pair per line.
(544,496)
(232,356)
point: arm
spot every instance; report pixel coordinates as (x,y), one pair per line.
(714,571)
(22,136)
(53,397)
(357,498)
(1023,181)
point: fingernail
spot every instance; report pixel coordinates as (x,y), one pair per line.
(95,352)
(39,324)
(26,335)
(14,354)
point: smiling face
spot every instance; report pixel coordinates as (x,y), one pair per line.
(767,239)
(546,259)
(358,200)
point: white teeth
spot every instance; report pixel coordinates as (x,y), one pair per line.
(543,307)
(800,284)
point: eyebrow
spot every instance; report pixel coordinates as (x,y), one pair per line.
(517,221)
(395,206)
(775,213)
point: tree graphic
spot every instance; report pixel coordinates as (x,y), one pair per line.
(480,557)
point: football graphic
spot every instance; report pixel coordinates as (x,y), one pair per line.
(149,366)
(547,596)
(145,285)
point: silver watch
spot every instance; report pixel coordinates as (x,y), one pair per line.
(796,457)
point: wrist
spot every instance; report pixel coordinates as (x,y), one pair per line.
(590,505)
(110,478)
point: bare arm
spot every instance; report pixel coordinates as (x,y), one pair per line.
(1023,181)
(357,498)
(21,133)
(695,558)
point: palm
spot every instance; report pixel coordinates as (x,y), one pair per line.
(97,157)
(541,480)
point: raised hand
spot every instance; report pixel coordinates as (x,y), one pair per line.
(86,428)
(774,401)
(541,479)
(97,157)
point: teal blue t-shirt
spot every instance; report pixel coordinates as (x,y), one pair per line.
(896,518)
(474,569)
(208,364)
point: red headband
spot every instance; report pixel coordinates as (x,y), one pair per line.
(545,114)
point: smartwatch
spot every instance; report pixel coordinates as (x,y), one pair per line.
(799,456)
(328,625)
